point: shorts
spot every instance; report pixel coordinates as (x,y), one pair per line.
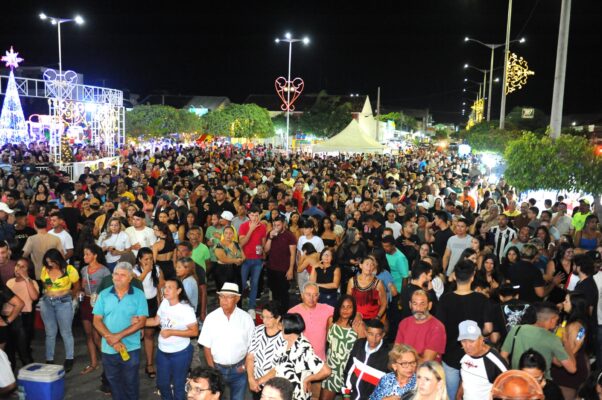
(85,310)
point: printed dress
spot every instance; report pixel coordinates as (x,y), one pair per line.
(340,342)
(296,364)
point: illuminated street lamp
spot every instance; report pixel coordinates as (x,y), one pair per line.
(492,46)
(288,38)
(58,21)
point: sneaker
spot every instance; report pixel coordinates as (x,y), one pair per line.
(252,313)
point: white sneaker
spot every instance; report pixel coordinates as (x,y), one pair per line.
(252,313)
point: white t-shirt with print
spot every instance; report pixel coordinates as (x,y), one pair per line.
(176,317)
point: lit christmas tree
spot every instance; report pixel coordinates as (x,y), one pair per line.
(13,128)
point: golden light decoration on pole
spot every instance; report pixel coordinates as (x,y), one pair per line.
(476,116)
(517,72)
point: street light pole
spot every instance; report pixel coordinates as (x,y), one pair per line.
(490,85)
(288,38)
(58,21)
(506,55)
(60,52)
(288,93)
(560,74)
(492,47)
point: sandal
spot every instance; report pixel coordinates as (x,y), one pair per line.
(150,374)
(88,369)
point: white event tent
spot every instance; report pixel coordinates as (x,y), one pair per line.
(352,139)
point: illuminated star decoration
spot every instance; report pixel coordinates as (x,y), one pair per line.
(11,59)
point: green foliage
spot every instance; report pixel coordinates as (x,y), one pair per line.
(569,163)
(402,121)
(239,120)
(487,137)
(157,120)
(326,117)
(537,124)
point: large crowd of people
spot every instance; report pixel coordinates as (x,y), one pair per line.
(386,276)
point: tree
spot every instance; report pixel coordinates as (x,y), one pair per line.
(402,121)
(326,117)
(486,137)
(537,124)
(569,163)
(239,120)
(158,120)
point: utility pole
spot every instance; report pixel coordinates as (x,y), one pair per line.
(506,55)
(560,74)
(377,114)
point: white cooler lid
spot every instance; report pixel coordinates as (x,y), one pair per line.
(37,372)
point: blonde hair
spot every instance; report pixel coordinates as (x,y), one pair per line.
(437,370)
(398,350)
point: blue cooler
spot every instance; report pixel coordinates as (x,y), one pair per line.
(42,381)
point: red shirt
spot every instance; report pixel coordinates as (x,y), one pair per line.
(256,239)
(427,336)
(298,196)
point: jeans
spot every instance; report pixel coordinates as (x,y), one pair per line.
(122,375)
(172,369)
(57,314)
(279,285)
(252,267)
(452,380)
(237,381)
(111,266)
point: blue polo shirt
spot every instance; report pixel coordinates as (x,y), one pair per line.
(117,314)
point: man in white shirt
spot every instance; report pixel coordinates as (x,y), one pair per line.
(394,225)
(561,220)
(226,337)
(140,235)
(57,222)
(480,365)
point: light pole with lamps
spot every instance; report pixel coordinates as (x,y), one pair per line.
(491,46)
(58,21)
(290,40)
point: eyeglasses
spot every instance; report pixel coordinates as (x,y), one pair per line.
(194,389)
(407,364)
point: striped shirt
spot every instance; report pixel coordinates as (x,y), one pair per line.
(264,348)
(501,239)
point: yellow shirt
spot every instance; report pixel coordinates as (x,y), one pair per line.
(60,284)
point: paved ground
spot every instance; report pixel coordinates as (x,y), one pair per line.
(79,386)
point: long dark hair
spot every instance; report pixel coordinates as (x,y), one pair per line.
(337,309)
(154,274)
(164,229)
(96,250)
(579,309)
(55,256)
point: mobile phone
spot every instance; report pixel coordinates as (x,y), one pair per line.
(580,334)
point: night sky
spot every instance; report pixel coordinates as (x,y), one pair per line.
(413,49)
